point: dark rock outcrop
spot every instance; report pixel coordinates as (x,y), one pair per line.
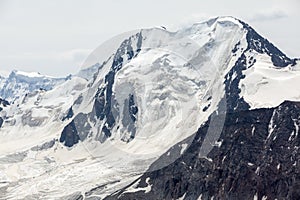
(1,122)
(104,98)
(104,101)
(261,45)
(69,135)
(259,156)
(3,103)
(69,115)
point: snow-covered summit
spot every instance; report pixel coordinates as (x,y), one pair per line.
(19,83)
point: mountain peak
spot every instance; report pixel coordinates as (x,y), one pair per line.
(221,20)
(19,83)
(28,74)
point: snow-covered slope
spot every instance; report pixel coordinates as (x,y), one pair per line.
(266,86)
(19,83)
(2,80)
(104,127)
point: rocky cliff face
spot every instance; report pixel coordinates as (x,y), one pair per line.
(257,157)
(3,103)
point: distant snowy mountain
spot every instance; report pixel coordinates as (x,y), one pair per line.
(3,76)
(19,83)
(161,114)
(2,81)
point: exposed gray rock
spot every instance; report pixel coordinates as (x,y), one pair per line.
(46,145)
(253,159)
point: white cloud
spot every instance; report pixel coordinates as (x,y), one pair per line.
(34,39)
(189,20)
(51,63)
(77,56)
(268,15)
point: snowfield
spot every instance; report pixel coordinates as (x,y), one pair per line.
(266,86)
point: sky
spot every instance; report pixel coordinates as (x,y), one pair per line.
(55,37)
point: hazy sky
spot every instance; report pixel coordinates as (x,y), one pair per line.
(54,37)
